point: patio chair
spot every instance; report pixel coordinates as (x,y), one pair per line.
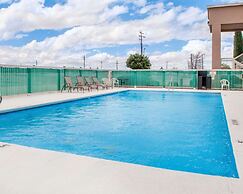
(68,84)
(96,82)
(91,83)
(115,82)
(108,84)
(81,84)
(225,84)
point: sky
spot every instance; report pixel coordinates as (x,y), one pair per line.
(59,33)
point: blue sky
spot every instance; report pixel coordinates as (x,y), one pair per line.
(60,32)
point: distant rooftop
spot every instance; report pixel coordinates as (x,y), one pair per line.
(225,5)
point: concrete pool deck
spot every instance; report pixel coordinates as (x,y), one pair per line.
(29,170)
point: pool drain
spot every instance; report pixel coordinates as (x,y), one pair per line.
(235,122)
(240,141)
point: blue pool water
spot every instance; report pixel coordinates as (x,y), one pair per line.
(172,130)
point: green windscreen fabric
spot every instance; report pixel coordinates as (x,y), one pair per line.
(102,74)
(234,77)
(89,73)
(29,80)
(13,81)
(43,80)
(176,79)
(149,78)
(73,73)
(127,78)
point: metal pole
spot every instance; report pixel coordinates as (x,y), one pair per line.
(84,58)
(116,64)
(141,37)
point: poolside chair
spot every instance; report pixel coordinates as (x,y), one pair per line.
(225,84)
(68,84)
(96,82)
(108,84)
(115,82)
(90,83)
(81,84)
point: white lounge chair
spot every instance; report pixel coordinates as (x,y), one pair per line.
(108,84)
(225,84)
(115,82)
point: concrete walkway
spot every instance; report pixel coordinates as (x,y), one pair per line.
(27,170)
(26,101)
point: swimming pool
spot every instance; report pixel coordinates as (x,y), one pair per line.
(171,130)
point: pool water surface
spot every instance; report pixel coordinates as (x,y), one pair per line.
(171,130)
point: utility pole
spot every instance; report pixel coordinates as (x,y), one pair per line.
(117,64)
(84,59)
(141,37)
(101,64)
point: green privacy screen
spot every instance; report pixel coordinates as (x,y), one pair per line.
(235,78)
(15,80)
(179,79)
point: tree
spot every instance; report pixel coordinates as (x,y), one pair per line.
(238,44)
(137,61)
(196,61)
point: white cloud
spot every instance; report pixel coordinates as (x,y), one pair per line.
(158,27)
(179,59)
(27,56)
(95,24)
(154,8)
(29,15)
(139,3)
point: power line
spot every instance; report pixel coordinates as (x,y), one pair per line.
(141,37)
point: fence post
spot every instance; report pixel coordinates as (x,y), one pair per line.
(1,88)
(59,80)
(29,80)
(163,78)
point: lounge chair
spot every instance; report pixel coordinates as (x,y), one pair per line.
(108,84)
(90,83)
(81,84)
(68,84)
(96,82)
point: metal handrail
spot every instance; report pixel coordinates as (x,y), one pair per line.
(237,64)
